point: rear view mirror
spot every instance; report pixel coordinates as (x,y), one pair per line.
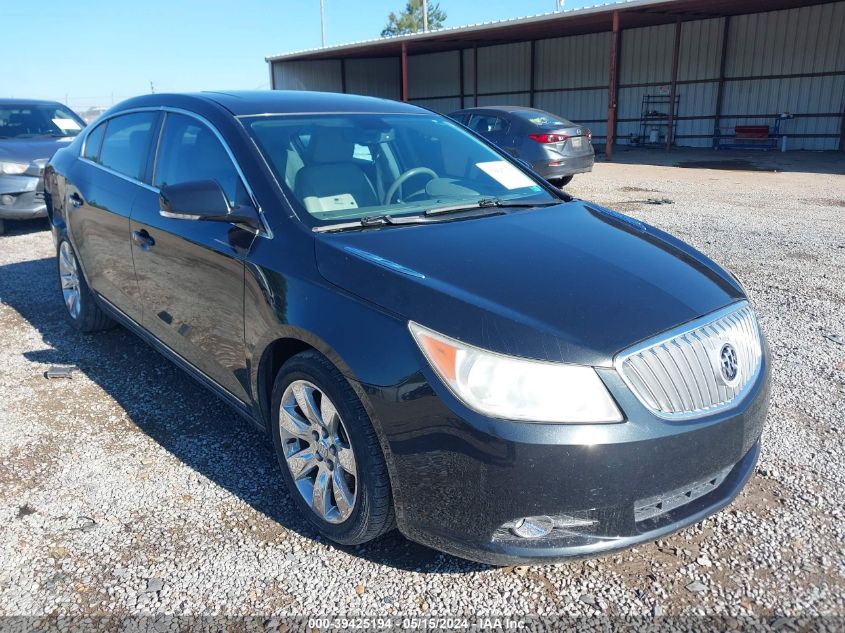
(203,200)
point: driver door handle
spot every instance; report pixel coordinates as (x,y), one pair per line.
(143,239)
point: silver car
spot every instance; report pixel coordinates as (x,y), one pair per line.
(30,133)
(553,147)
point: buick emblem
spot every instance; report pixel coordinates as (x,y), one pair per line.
(728,363)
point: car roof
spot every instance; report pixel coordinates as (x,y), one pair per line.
(503,108)
(24,102)
(245,103)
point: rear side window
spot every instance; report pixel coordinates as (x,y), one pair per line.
(126,143)
(190,151)
(486,124)
(93,142)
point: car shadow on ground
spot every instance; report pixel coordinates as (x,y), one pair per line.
(170,407)
(23,227)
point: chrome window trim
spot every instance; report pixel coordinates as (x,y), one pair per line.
(265,231)
(113,172)
(663,337)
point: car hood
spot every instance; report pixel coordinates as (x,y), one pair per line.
(574,282)
(26,150)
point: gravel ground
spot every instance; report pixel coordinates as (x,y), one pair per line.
(128,490)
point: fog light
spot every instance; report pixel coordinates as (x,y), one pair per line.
(533,527)
(7,200)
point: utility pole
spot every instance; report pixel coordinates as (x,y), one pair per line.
(323,22)
(425,16)
(152,87)
(559,5)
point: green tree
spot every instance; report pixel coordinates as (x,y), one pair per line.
(411,19)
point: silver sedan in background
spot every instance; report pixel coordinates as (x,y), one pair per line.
(30,133)
(552,146)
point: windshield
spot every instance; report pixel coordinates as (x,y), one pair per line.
(346,167)
(35,119)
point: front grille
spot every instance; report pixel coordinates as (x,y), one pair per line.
(680,374)
(653,507)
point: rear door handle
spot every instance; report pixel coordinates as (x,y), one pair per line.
(76,200)
(143,239)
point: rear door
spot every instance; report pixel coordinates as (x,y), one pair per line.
(191,272)
(104,183)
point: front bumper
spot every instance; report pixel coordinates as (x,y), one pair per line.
(22,198)
(459,477)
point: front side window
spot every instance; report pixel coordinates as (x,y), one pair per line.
(345,167)
(36,120)
(126,143)
(189,151)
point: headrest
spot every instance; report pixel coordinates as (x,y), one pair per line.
(330,146)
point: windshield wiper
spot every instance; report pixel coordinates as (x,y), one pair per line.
(486,203)
(370,221)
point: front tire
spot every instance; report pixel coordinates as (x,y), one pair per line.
(329,453)
(82,308)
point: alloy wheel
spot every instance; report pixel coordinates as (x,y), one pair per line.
(318,451)
(69,276)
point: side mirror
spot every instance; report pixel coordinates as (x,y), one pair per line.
(204,200)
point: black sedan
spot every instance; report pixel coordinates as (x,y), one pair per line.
(30,133)
(431,336)
(552,146)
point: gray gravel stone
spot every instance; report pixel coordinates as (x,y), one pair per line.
(180,489)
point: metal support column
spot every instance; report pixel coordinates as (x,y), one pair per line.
(720,89)
(532,70)
(673,89)
(343,74)
(404,71)
(475,74)
(613,87)
(461,72)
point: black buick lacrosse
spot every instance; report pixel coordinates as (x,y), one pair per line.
(432,336)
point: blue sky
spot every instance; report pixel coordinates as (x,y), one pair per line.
(90,52)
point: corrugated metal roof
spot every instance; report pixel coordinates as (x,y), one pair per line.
(590,19)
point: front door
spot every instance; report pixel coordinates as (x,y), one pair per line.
(191,272)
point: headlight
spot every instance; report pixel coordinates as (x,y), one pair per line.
(517,388)
(12,169)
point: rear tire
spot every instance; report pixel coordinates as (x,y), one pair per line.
(564,181)
(2,227)
(80,303)
(341,483)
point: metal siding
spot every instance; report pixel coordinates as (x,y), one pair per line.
(504,68)
(513,99)
(469,62)
(800,96)
(588,107)
(434,75)
(646,55)
(377,77)
(701,49)
(442,105)
(794,41)
(307,75)
(572,62)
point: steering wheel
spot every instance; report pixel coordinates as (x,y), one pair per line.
(414,171)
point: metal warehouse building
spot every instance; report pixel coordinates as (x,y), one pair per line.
(641,72)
